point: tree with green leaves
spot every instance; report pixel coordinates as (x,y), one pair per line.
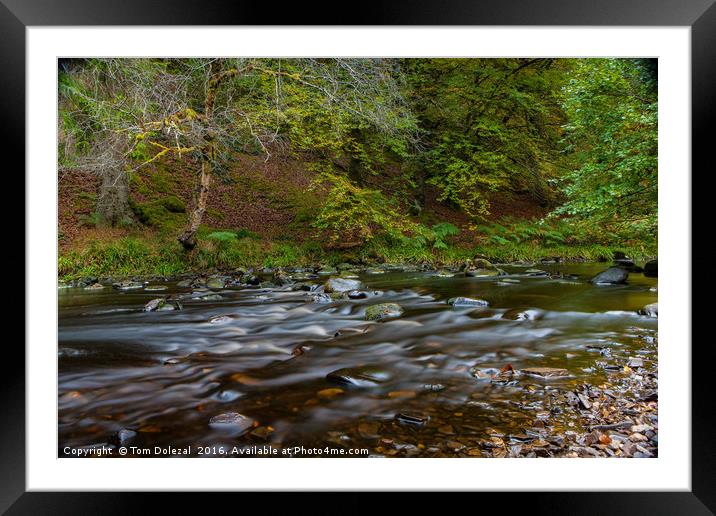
(490,125)
(611,137)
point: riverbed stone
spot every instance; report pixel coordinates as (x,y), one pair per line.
(321,298)
(155,288)
(125,434)
(517,314)
(329,393)
(127,285)
(611,276)
(479,273)
(545,372)
(161,304)
(232,421)
(356,294)
(341,285)
(363,376)
(466,302)
(651,310)
(383,311)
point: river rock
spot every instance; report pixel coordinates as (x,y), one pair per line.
(127,285)
(516,314)
(219,319)
(95,286)
(466,301)
(474,272)
(281,278)
(545,372)
(206,296)
(155,288)
(250,279)
(383,311)
(341,285)
(611,276)
(359,376)
(321,298)
(650,310)
(125,434)
(161,304)
(304,276)
(232,421)
(356,294)
(651,269)
(628,264)
(216,283)
(411,418)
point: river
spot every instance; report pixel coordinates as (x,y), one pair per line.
(157,379)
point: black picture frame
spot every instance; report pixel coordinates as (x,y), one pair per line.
(16,15)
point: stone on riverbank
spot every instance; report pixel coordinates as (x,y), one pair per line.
(216,283)
(651,269)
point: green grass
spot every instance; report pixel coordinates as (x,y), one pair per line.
(143,256)
(158,253)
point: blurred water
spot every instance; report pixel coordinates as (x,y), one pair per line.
(114,374)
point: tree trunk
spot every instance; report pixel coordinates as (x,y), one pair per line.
(201,194)
(113,197)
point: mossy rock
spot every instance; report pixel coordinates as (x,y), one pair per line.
(383,311)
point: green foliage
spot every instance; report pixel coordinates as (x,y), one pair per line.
(435,237)
(245,233)
(611,134)
(162,213)
(222,236)
(123,257)
(493,124)
(90,221)
(354,214)
(578,136)
(173,204)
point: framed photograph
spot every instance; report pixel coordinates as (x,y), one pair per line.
(415,250)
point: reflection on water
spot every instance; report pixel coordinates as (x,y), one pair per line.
(164,375)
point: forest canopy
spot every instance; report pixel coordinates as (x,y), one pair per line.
(408,159)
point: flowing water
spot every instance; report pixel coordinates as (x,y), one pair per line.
(164,375)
